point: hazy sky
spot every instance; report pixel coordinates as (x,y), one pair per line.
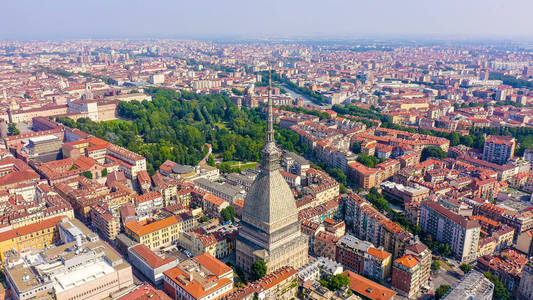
(59,19)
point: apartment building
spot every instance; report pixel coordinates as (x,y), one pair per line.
(150,264)
(369,224)
(148,202)
(422,253)
(280,284)
(363,258)
(34,236)
(158,233)
(499,149)
(406,276)
(450,228)
(106,221)
(362,175)
(202,277)
(525,288)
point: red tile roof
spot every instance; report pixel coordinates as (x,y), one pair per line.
(151,258)
(368,288)
(28,229)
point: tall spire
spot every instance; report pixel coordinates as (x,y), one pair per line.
(270,126)
(269,153)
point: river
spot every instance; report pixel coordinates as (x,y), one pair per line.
(295,94)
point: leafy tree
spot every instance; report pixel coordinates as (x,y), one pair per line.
(500,292)
(87,174)
(510,80)
(368,160)
(168,127)
(455,139)
(445,249)
(365,160)
(12,129)
(104,172)
(211,160)
(338,175)
(259,269)
(237,91)
(228,154)
(323,282)
(435,265)
(203,219)
(432,151)
(467,140)
(479,142)
(356,148)
(466,268)
(442,291)
(228,213)
(338,281)
(378,200)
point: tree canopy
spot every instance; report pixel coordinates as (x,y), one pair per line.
(442,291)
(259,269)
(228,213)
(500,292)
(177,125)
(369,160)
(12,129)
(465,268)
(432,151)
(338,281)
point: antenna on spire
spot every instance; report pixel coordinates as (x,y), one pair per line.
(270,120)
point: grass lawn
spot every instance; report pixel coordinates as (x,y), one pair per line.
(241,165)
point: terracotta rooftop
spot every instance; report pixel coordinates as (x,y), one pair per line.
(145,292)
(28,229)
(151,258)
(378,253)
(461,221)
(202,286)
(407,261)
(140,228)
(368,288)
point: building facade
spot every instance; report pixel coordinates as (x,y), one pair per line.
(498,149)
(406,276)
(448,227)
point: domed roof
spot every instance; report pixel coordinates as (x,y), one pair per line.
(270,199)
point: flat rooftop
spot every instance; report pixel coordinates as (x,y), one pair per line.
(81,276)
(43,139)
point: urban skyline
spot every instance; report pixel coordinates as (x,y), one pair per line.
(236,150)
